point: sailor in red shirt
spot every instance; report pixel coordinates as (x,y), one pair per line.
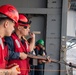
(21,45)
(8,18)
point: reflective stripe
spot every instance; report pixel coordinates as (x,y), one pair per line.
(1,44)
(18,44)
(26,45)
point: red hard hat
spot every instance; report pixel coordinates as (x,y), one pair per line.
(10,11)
(23,20)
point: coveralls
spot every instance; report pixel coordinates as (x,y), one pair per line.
(19,46)
(3,53)
(40,67)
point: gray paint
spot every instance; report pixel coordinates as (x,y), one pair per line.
(38,24)
(63,35)
(26,3)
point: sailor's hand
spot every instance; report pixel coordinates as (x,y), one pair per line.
(32,35)
(23,55)
(48,59)
(15,70)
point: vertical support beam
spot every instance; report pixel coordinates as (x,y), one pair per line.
(53,34)
(63,36)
